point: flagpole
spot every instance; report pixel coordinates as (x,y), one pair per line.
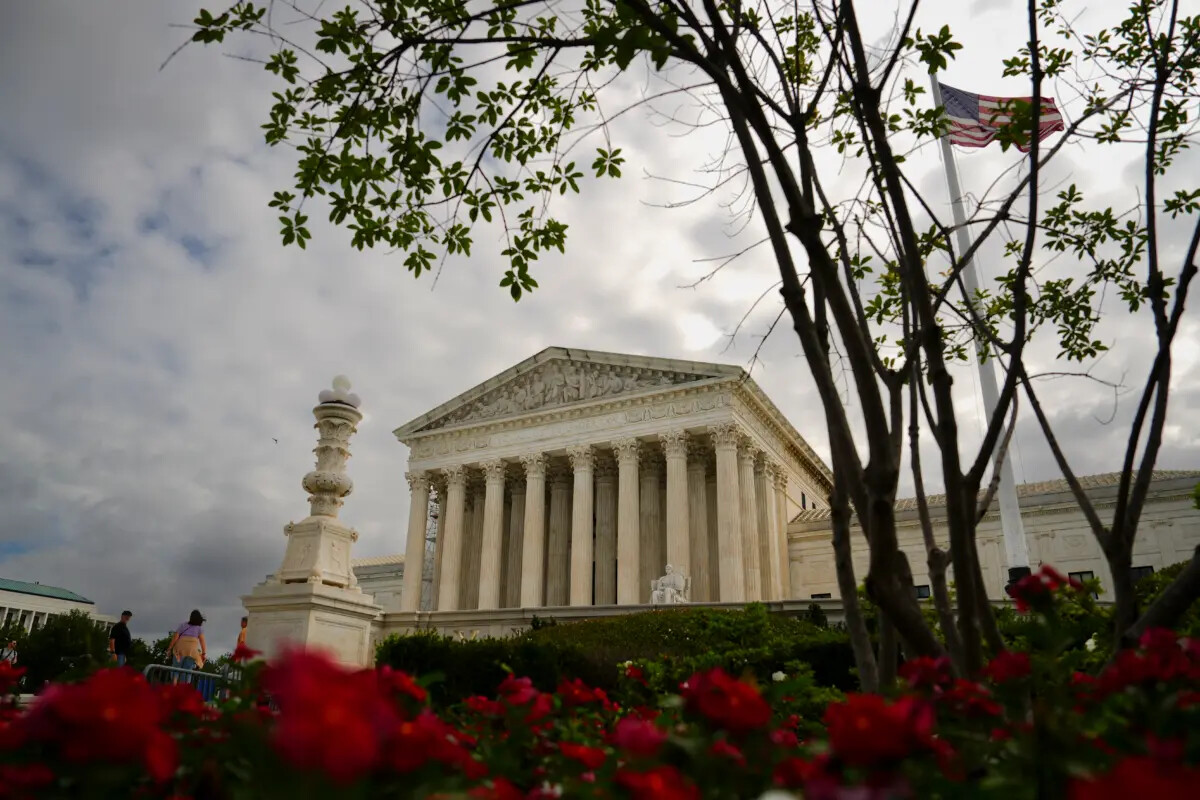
(1016,550)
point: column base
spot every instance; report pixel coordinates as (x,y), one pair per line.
(344,623)
(1015,574)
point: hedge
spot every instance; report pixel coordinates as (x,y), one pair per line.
(678,642)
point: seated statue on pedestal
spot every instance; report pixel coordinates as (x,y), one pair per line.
(674,587)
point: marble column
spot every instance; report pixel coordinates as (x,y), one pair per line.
(679,546)
(606,531)
(769,555)
(439,541)
(533,544)
(714,549)
(781,519)
(516,531)
(583,460)
(414,548)
(454,508)
(628,534)
(473,545)
(491,542)
(752,562)
(697,520)
(653,549)
(732,587)
(505,539)
(557,552)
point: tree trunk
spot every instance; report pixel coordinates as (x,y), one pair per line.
(1125,612)
(860,639)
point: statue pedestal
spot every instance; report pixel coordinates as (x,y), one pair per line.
(340,622)
(313,600)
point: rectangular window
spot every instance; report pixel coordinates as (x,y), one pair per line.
(822,596)
(1137,573)
(1083,577)
(803,501)
(922,591)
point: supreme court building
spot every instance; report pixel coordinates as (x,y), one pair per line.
(564,486)
(574,478)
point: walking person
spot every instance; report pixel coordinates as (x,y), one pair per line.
(120,642)
(188,648)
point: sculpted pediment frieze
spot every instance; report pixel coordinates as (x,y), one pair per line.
(561,383)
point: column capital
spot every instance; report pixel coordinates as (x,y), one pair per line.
(781,479)
(674,443)
(534,464)
(582,456)
(627,450)
(767,466)
(559,475)
(699,452)
(417,480)
(494,470)
(455,476)
(516,484)
(726,435)
(606,466)
(748,450)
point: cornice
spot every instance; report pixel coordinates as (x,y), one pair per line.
(768,414)
(820,528)
(566,413)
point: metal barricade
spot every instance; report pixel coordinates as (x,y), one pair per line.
(206,683)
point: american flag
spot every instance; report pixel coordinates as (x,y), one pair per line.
(976,119)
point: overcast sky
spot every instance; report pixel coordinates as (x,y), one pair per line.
(157,339)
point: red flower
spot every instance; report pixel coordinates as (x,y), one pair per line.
(635,673)
(518,691)
(729,703)
(417,742)
(1036,590)
(24,780)
(9,676)
(242,653)
(112,717)
(182,699)
(330,719)
(970,699)
(402,683)
(590,757)
(1008,666)
(926,673)
(575,692)
(484,706)
(638,737)
(784,737)
(1137,777)
(660,783)
(723,749)
(868,731)
(794,772)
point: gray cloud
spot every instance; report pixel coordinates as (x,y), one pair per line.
(157,337)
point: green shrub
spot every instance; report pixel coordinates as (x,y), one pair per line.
(750,643)
(67,647)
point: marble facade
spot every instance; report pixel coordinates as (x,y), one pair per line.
(573,478)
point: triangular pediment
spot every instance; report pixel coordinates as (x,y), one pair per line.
(559,377)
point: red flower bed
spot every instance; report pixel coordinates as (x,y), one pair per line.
(1025,728)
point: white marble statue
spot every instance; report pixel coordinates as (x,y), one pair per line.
(674,587)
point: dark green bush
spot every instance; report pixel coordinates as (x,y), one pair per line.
(749,642)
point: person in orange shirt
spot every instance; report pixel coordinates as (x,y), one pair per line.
(241,640)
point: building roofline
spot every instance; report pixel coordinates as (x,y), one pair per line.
(908,505)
